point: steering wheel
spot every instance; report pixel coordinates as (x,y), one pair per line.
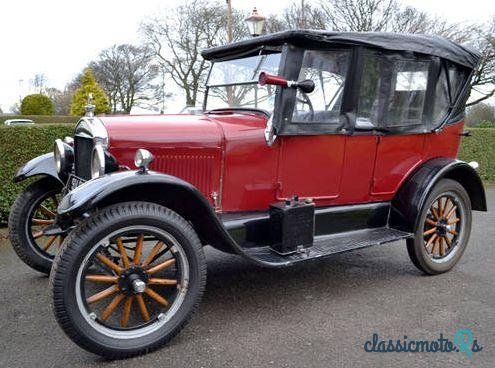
(307,101)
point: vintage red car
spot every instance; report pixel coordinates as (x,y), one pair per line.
(310,144)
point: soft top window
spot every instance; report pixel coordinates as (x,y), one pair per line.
(328,71)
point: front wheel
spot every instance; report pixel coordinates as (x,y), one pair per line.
(31,224)
(128,279)
(443,230)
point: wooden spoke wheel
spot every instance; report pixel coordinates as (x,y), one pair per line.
(128,279)
(443,229)
(133,280)
(33,231)
(442,226)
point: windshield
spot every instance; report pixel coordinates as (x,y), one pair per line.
(234,83)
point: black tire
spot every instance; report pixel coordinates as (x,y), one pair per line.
(21,214)
(432,253)
(95,336)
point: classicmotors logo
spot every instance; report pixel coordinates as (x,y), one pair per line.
(462,342)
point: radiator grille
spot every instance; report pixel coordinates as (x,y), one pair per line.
(83,148)
(195,169)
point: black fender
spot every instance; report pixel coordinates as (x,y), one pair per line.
(167,190)
(41,165)
(411,196)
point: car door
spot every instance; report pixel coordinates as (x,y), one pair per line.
(312,153)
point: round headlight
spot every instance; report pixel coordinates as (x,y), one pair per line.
(97,162)
(143,158)
(64,156)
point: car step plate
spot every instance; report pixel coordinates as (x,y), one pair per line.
(330,244)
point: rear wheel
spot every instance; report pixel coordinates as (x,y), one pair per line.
(444,226)
(128,279)
(30,223)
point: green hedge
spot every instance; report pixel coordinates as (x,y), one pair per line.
(20,144)
(43,119)
(480,147)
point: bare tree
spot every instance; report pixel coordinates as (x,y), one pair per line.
(483,82)
(359,15)
(178,38)
(38,82)
(126,73)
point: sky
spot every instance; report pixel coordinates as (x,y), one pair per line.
(59,37)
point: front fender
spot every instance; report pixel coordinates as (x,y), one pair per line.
(410,198)
(169,191)
(41,165)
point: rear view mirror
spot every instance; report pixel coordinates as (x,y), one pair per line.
(306,86)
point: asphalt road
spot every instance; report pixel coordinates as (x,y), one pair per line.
(313,315)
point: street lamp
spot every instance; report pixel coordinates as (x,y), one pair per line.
(255,23)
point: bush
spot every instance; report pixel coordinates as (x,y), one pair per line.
(80,96)
(18,145)
(485,124)
(480,147)
(37,104)
(43,119)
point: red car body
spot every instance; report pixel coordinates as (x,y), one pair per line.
(225,155)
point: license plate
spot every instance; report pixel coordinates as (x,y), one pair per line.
(73,183)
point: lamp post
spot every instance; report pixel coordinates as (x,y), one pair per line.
(255,23)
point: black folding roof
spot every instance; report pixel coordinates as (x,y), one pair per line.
(425,44)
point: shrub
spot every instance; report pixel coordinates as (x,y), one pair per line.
(37,104)
(485,124)
(480,147)
(18,145)
(80,97)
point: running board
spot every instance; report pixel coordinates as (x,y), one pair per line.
(327,245)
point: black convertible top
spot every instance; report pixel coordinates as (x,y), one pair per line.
(424,44)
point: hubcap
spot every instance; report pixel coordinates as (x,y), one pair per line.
(442,227)
(131,282)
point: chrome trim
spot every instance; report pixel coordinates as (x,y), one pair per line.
(143,158)
(92,127)
(474,164)
(59,154)
(270,135)
(97,155)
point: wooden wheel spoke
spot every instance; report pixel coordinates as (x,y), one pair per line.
(164,282)
(451,212)
(37,221)
(453,232)
(440,250)
(434,212)
(154,251)
(430,241)
(161,266)
(430,231)
(126,312)
(142,308)
(49,242)
(102,278)
(431,222)
(440,207)
(123,253)
(454,221)
(157,297)
(448,241)
(139,249)
(109,263)
(111,307)
(102,294)
(45,211)
(435,247)
(38,234)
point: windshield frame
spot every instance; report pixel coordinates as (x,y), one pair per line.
(262,52)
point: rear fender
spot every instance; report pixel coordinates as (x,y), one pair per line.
(410,198)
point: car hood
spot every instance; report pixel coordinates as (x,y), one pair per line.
(178,131)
